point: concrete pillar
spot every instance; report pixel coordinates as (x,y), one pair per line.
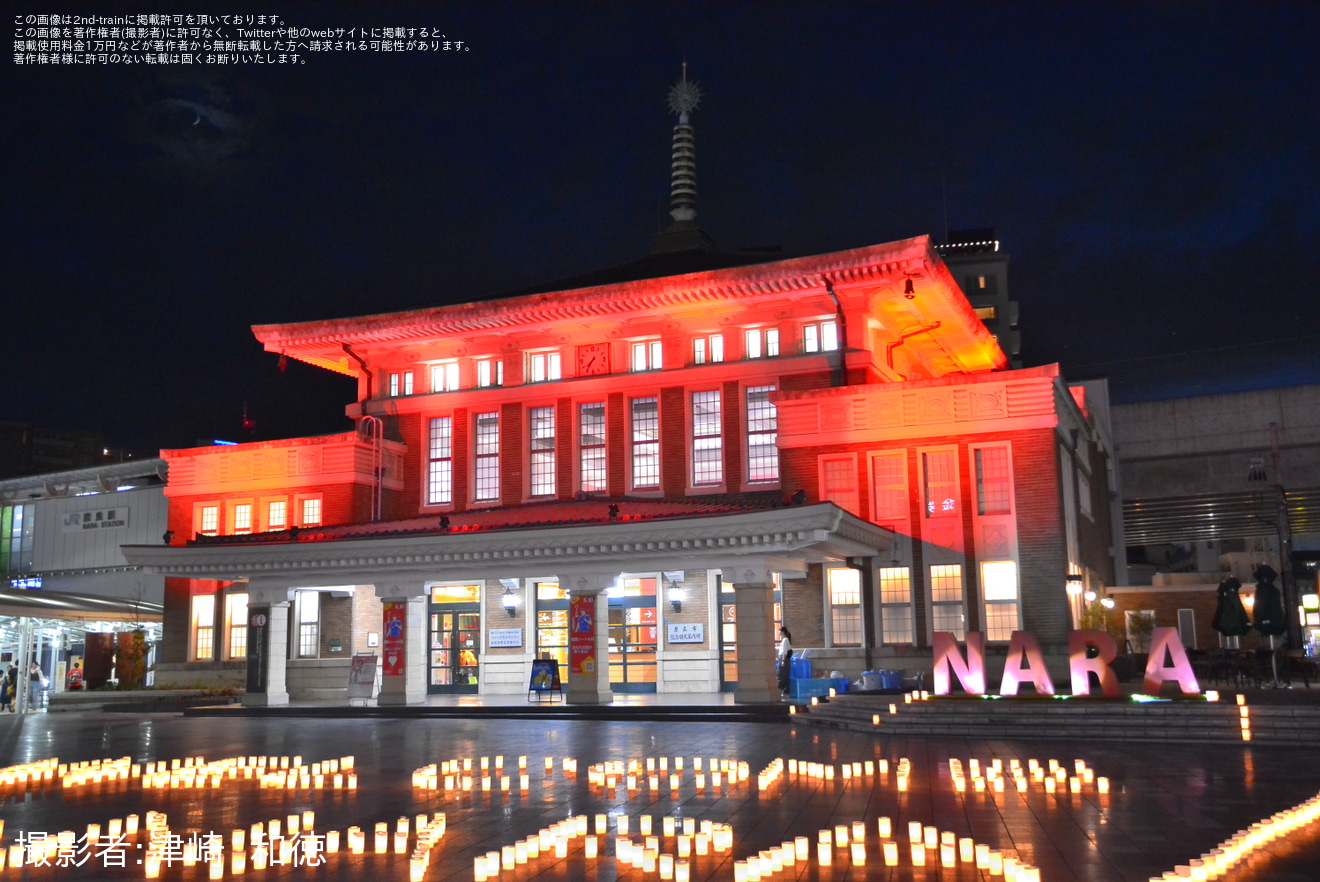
(267,645)
(754,596)
(589,681)
(403,643)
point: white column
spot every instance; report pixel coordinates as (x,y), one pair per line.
(591,685)
(754,595)
(408,686)
(268,645)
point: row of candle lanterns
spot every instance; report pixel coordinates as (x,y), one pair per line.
(1241,845)
(1052,777)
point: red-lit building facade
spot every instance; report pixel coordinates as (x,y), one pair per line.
(829,442)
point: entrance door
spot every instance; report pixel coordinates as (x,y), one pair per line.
(455,639)
(633,636)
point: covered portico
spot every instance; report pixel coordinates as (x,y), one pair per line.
(748,548)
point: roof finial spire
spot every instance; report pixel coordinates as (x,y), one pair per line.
(683,99)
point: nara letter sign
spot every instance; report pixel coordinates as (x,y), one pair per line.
(1025,664)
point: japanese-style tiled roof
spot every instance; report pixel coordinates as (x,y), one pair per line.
(596,509)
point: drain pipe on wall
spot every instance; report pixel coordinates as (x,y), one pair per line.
(889,350)
(841,368)
(365,372)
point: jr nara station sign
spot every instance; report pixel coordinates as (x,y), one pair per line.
(1089,656)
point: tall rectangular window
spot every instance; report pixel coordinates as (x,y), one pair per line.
(444,377)
(236,622)
(889,487)
(277,514)
(542,439)
(203,619)
(708,349)
(487,449)
(208,520)
(401,384)
(543,366)
(838,482)
(490,372)
(440,463)
(645,415)
(591,446)
(309,623)
(940,483)
(895,584)
(761,342)
(993,481)
(845,592)
(311,511)
(707,439)
(946,597)
(646,356)
(243,518)
(762,434)
(999,586)
(820,336)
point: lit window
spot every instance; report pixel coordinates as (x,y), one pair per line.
(490,372)
(543,366)
(309,620)
(708,349)
(440,463)
(986,313)
(591,446)
(401,384)
(762,432)
(243,518)
(203,618)
(845,592)
(488,456)
(1000,589)
(940,477)
(208,520)
(543,450)
(946,595)
(236,619)
(646,356)
(707,439)
(277,514)
(820,336)
(993,481)
(895,605)
(761,342)
(645,443)
(444,377)
(311,511)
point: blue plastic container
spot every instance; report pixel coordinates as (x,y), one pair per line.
(891,680)
(801,668)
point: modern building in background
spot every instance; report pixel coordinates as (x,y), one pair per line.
(638,474)
(67,589)
(981,269)
(26,449)
(1212,487)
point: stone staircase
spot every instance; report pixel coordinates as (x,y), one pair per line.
(1177,721)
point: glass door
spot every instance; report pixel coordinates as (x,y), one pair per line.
(729,632)
(455,643)
(633,636)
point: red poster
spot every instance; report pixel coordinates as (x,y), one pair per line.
(396,612)
(648,618)
(582,634)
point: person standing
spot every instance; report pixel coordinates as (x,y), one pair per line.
(36,685)
(9,690)
(785,659)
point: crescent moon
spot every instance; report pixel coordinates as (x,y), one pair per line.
(197,118)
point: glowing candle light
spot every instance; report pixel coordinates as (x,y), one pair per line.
(966,850)
(824,853)
(859,854)
(918,854)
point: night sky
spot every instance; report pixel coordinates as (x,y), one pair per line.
(1151,168)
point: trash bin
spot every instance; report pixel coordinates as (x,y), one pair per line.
(801,668)
(891,680)
(871,681)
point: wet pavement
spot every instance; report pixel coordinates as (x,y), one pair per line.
(1167,804)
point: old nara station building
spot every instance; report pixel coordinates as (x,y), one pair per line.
(640,478)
